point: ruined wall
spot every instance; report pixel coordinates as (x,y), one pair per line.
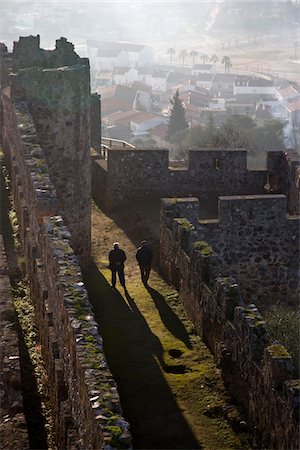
(13,427)
(256,240)
(141,174)
(85,402)
(258,373)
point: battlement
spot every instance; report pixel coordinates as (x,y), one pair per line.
(257,371)
(140,174)
(27,53)
(45,122)
(261,209)
(54,88)
(254,239)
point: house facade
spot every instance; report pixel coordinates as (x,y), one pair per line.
(198,69)
(245,85)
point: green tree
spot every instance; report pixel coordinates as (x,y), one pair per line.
(171,51)
(177,121)
(240,131)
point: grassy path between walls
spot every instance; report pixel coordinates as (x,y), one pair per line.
(171,390)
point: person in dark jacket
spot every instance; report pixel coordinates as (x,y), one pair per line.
(117,257)
(144,256)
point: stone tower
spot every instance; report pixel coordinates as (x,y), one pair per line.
(56,87)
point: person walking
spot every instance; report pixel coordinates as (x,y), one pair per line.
(144,256)
(117,257)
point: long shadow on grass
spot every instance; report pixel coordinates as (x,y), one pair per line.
(6,228)
(32,401)
(133,353)
(169,318)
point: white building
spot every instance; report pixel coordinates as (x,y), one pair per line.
(217,104)
(124,75)
(197,69)
(204,80)
(159,81)
(145,121)
(250,85)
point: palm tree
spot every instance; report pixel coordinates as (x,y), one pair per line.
(214,59)
(204,58)
(171,51)
(193,55)
(227,63)
(183,55)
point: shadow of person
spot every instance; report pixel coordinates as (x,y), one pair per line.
(135,358)
(169,318)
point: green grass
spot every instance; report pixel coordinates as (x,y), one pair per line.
(165,398)
(283,325)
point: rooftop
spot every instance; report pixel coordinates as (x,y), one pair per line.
(108,53)
(145,117)
(287,91)
(205,77)
(120,70)
(224,77)
(202,67)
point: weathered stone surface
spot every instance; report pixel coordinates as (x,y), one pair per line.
(13,427)
(142,174)
(257,242)
(45,113)
(46,103)
(259,375)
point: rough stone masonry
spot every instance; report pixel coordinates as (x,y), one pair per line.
(45,123)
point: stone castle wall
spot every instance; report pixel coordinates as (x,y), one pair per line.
(284,170)
(145,174)
(58,99)
(258,373)
(13,429)
(85,402)
(257,242)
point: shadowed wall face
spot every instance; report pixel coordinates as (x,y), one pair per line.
(144,174)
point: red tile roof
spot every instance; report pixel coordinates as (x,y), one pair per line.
(159,131)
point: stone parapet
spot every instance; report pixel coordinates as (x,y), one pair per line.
(144,174)
(13,427)
(45,113)
(84,395)
(54,86)
(257,241)
(258,373)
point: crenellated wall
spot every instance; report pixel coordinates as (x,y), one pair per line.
(134,174)
(58,99)
(13,428)
(284,170)
(257,241)
(85,402)
(145,174)
(258,373)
